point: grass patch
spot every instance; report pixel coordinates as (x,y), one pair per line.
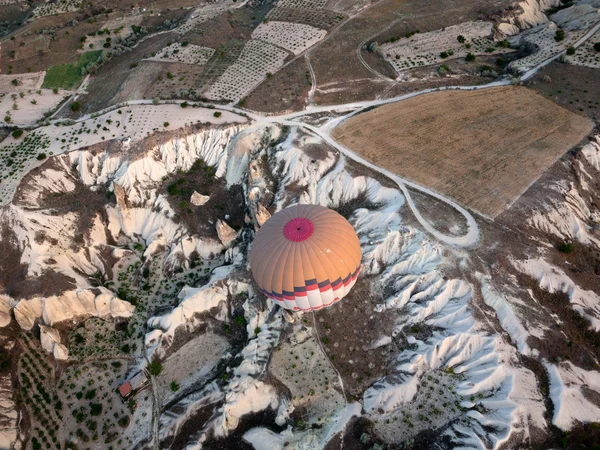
(68,76)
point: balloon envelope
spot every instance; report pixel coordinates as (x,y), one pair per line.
(305,257)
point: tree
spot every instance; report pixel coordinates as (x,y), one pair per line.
(470,57)
(95,409)
(166,124)
(41,156)
(460,38)
(571,51)
(174,386)
(443,54)
(17,134)
(597,46)
(75,106)
(560,35)
(217,114)
(15,82)
(155,368)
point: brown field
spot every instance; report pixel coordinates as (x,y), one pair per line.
(482,148)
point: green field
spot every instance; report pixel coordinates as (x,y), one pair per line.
(68,76)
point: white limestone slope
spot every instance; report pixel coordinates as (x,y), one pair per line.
(71,306)
(571,405)
(554,279)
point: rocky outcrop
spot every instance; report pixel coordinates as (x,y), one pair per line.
(6,306)
(262,214)
(198,199)
(73,306)
(227,235)
(121,196)
(527,14)
(50,339)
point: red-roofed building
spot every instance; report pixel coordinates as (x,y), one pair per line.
(125,389)
(138,381)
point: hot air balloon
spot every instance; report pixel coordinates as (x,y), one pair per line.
(305,257)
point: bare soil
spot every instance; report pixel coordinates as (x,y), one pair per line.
(109,78)
(14,280)
(348,328)
(574,87)
(223,202)
(482,148)
(285,90)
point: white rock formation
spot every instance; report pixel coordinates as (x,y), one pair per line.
(50,339)
(227,235)
(6,306)
(71,305)
(198,199)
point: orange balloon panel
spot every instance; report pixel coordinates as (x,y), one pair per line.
(305,257)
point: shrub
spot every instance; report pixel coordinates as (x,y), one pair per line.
(597,46)
(442,69)
(155,368)
(470,57)
(571,51)
(174,386)
(15,82)
(41,156)
(240,320)
(460,38)
(565,247)
(166,124)
(443,54)
(75,106)
(17,134)
(155,101)
(217,114)
(169,75)
(184,104)
(560,35)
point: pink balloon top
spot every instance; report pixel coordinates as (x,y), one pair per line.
(298,229)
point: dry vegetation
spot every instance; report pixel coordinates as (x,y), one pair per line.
(482,148)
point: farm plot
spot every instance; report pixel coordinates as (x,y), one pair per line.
(318,18)
(543,39)
(257,60)
(175,80)
(222,59)
(95,414)
(57,7)
(456,41)
(184,53)
(302,4)
(23,81)
(294,37)
(586,55)
(26,107)
(482,148)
